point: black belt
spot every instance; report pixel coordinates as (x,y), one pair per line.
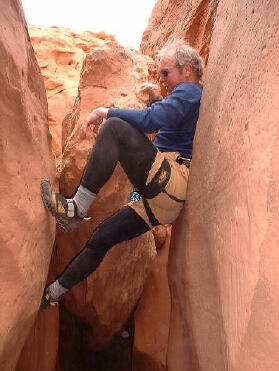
(183,161)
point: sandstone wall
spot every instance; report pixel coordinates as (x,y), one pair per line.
(152,316)
(40,350)
(191,20)
(60,53)
(26,229)
(224,255)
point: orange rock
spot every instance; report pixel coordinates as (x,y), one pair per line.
(60,53)
(224,263)
(192,21)
(152,316)
(110,76)
(41,346)
(26,229)
(160,234)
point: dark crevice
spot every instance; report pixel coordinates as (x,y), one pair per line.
(75,350)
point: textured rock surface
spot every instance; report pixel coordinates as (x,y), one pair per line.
(224,286)
(152,316)
(224,261)
(60,53)
(110,77)
(41,346)
(26,230)
(190,20)
(40,349)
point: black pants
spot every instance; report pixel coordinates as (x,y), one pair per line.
(117,141)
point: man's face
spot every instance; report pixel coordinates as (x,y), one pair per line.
(170,75)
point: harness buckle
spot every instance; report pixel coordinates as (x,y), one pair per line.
(183,161)
(135,196)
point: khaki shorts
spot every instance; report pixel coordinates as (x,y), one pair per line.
(165,206)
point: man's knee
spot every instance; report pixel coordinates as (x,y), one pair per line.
(114,122)
(117,126)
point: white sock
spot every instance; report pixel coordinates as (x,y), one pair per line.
(55,289)
(83,200)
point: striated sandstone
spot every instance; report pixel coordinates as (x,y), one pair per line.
(224,255)
(191,20)
(110,76)
(60,53)
(26,229)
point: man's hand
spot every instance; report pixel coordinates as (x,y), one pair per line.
(95,118)
(153,91)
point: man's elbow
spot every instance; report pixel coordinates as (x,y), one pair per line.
(149,130)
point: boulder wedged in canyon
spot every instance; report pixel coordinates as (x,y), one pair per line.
(110,76)
(191,20)
(224,256)
(60,53)
(26,229)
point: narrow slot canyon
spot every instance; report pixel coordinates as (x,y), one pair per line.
(198,295)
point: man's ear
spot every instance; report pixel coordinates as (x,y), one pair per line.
(188,69)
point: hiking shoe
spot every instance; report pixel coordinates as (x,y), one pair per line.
(47,300)
(64,212)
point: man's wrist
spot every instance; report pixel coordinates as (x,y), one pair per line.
(103,112)
(157,99)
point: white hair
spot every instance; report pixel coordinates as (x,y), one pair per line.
(183,53)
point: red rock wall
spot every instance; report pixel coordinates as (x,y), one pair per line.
(152,316)
(41,346)
(26,229)
(224,257)
(190,20)
(223,264)
(60,53)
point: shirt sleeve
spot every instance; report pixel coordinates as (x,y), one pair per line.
(165,113)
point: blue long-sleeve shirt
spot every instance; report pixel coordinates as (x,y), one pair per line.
(176,116)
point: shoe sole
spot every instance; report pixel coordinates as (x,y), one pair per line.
(68,224)
(48,305)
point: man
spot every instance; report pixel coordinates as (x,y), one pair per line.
(158,171)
